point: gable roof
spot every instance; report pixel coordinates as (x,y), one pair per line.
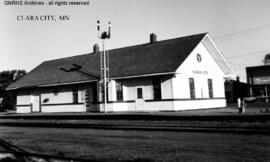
(145,59)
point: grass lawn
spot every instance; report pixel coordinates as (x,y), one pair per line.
(129,145)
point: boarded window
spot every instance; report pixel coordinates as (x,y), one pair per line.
(75,95)
(156,88)
(210,88)
(119,91)
(192,88)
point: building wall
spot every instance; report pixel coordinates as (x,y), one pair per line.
(23,98)
(180,84)
(64,96)
(23,102)
(63,101)
(201,71)
(166,87)
(131,85)
(64,108)
(129,102)
(112,90)
(199,104)
(119,107)
(165,105)
(56,99)
(146,83)
(23,109)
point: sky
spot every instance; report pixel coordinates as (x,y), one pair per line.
(240,28)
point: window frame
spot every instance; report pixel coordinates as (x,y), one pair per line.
(157,94)
(210,88)
(119,91)
(75,95)
(192,88)
(139,95)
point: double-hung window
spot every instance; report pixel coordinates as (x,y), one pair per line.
(192,88)
(156,88)
(210,88)
(119,91)
(75,95)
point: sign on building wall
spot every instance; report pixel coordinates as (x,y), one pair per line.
(261,80)
(200,72)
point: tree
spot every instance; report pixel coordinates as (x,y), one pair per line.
(7,98)
(267,59)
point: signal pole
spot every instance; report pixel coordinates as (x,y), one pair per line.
(104,66)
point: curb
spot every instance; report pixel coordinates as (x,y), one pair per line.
(206,129)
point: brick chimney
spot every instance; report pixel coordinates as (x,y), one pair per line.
(238,79)
(153,38)
(95,48)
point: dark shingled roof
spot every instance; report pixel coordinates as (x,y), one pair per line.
(151,58)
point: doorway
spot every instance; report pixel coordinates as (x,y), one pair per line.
(35,101)
(139,99)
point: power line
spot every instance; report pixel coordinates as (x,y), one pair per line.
(244,65)
(249,53)
(230,63)
(242,31)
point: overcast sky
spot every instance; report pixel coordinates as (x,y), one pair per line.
(240,28)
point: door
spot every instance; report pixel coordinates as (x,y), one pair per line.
(35,101)
(139,99)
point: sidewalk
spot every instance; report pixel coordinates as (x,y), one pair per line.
(231,110)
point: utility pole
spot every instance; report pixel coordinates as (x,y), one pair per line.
(104,60)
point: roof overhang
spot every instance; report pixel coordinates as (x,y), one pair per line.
(51,85)
(219,57)
(68,83)
(140,76)
(82,82)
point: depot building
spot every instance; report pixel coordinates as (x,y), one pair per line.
(170,75)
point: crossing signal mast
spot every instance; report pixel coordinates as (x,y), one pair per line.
(104,62)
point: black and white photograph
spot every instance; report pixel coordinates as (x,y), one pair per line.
(134,80)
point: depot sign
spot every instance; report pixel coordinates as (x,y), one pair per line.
(261,80)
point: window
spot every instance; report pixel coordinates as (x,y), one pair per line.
(139,93)
(156,88)
(75,95)
(210,88)
(119,91)
(192,88)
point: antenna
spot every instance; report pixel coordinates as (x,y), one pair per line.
(109,30)
(98,28)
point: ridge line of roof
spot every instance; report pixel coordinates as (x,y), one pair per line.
(80,55)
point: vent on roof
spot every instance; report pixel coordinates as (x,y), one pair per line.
(95,48)
(153,37)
